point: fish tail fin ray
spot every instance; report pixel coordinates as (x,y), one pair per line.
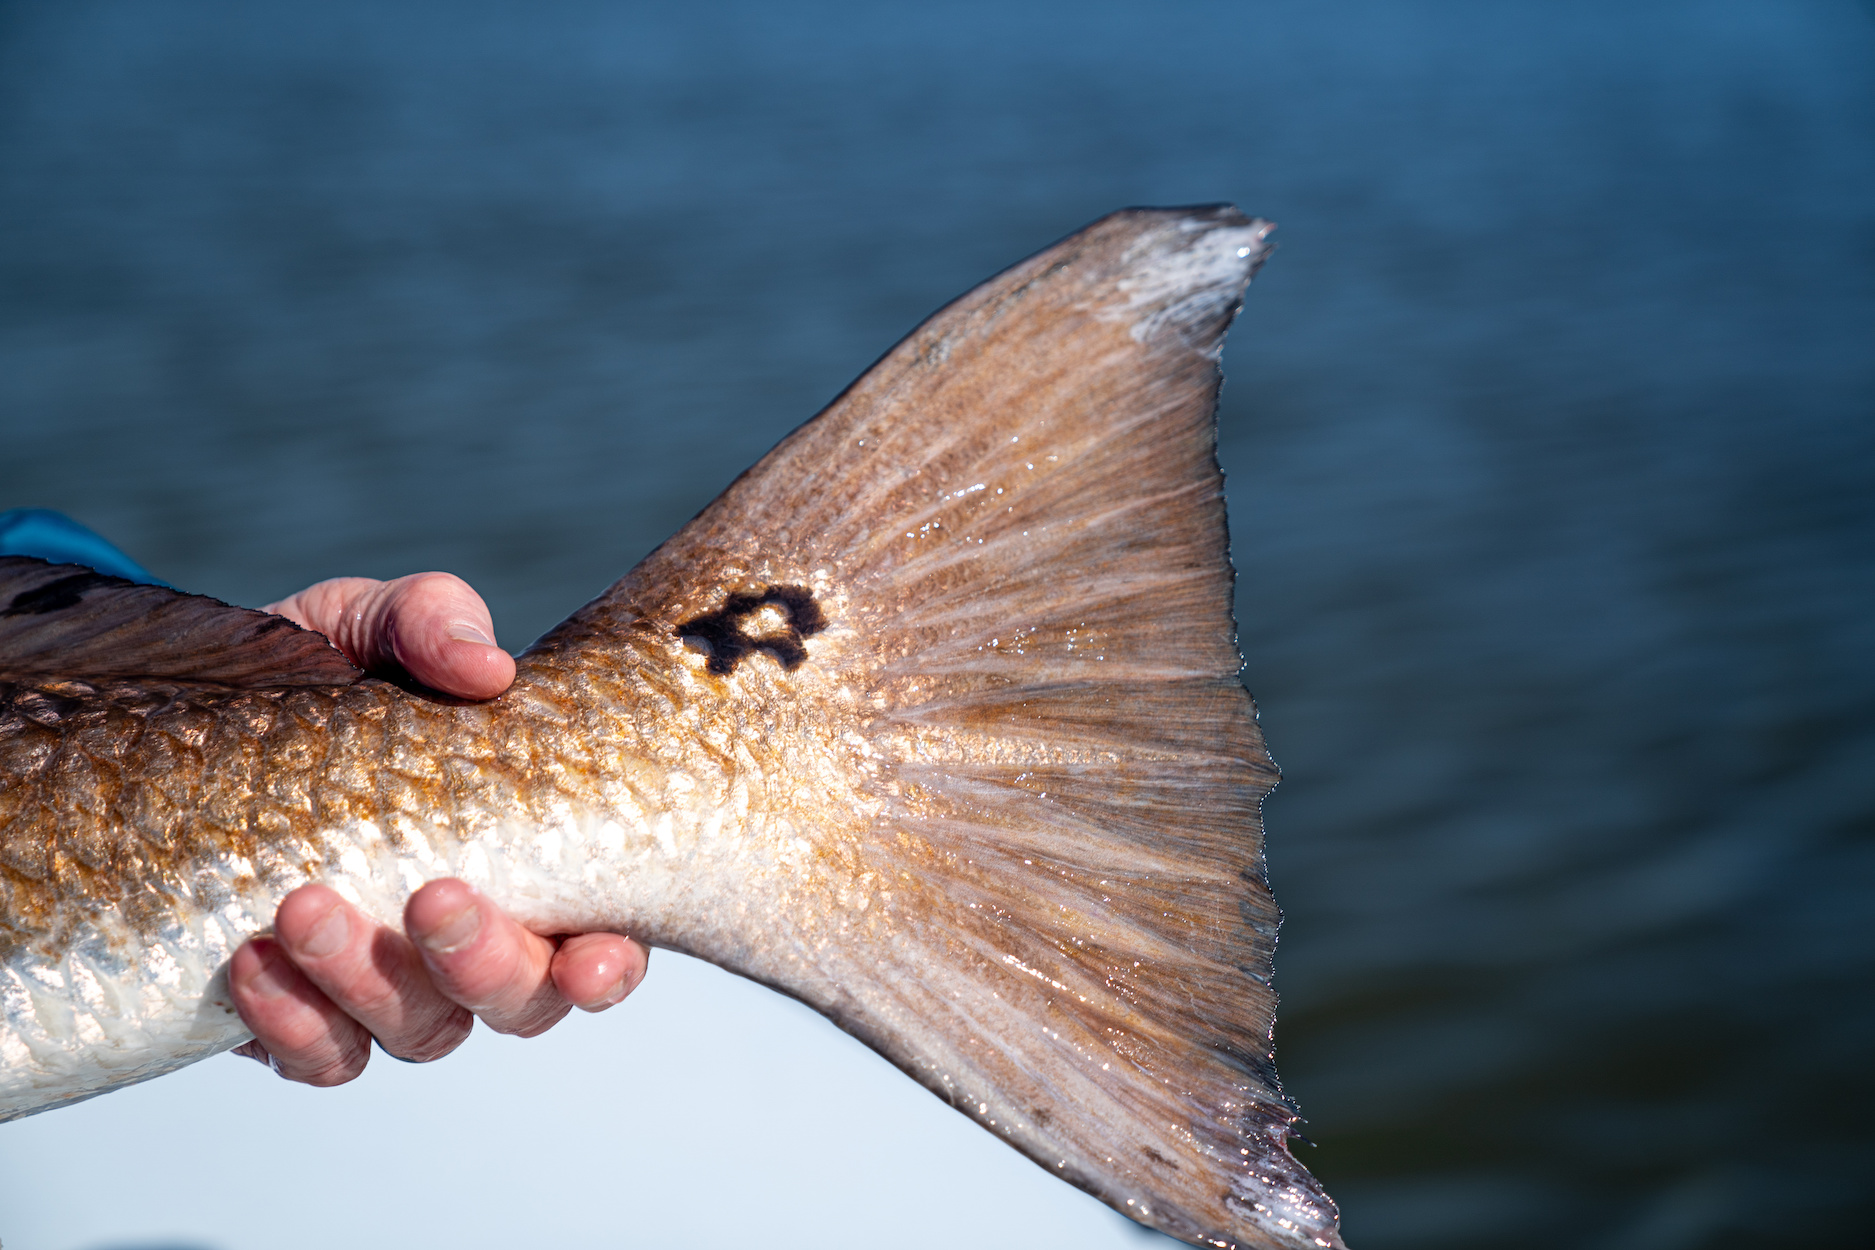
(61,622)
(999,564)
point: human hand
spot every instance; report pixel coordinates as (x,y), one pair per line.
(429,625)
(329,978)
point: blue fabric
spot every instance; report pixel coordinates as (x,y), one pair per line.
(56,537)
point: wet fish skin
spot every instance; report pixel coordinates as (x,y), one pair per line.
(592,796)
(932,721)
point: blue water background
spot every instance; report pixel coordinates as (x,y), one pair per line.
(1550,433)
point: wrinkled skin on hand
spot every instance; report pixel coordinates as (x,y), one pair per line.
(329,979)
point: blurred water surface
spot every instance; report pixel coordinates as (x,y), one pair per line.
(1551,442)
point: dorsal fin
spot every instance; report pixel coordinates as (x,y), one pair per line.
(69,621)
(1010,534)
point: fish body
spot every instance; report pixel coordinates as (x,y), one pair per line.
(932,721)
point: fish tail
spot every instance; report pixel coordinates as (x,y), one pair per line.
(1001,559)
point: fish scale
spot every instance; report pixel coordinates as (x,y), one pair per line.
(932,721)
(371,792)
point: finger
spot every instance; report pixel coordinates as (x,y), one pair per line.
(307,1037)
(441,633)
(253,1049)
(484,960)
(371,973)
(597,970)
(431,625)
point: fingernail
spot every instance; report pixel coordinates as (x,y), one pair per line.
(456,931)
(616,994)
(268,981)
(329,935)
(611,998)
(462,631)
(387,1050)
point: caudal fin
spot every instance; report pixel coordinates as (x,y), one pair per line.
(1000,561)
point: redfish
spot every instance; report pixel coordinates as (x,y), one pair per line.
(932,720)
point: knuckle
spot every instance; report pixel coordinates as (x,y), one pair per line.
(254,1050)
(300,1035)
(436,1038)
(368,999)
(426,590)
(486,986)
(526,1015)
(334,1064)
(533,1020)
(440,581)
(331,1074)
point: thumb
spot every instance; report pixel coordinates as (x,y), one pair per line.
(433,626)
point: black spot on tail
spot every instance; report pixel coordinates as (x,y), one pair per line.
(722,629)
(59,595)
